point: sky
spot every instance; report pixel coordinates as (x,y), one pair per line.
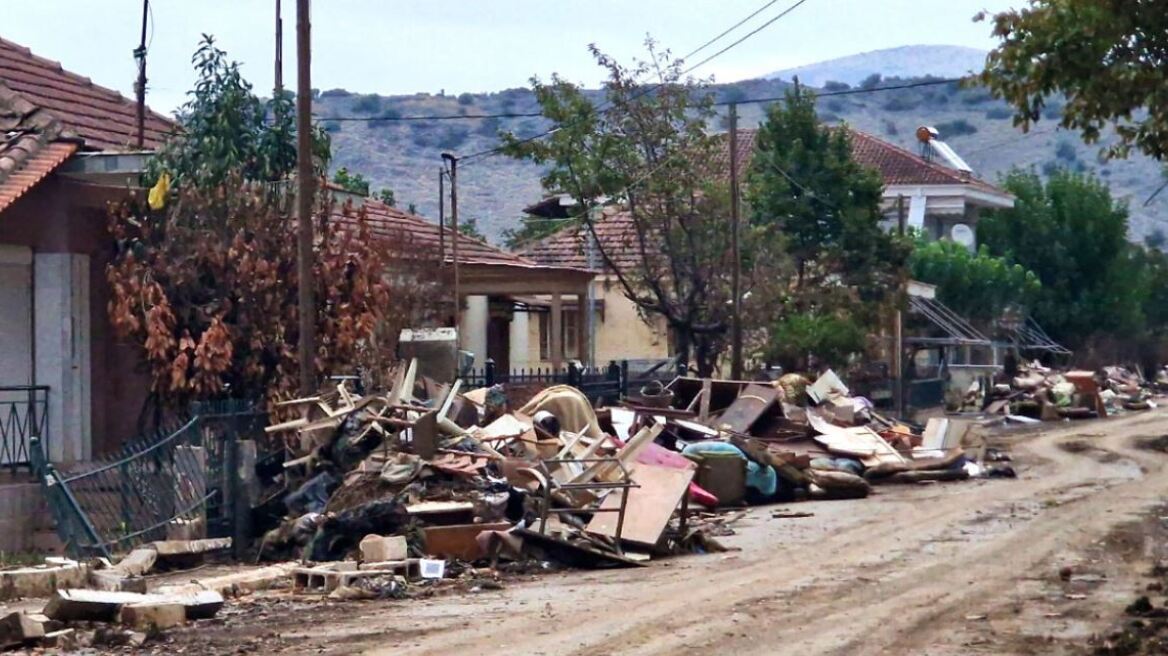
(409,46)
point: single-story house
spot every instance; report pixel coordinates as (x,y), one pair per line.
(939,200)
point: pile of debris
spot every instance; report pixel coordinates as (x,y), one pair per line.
(413,482)
(1045,394)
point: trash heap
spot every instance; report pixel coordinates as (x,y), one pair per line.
(419,481)
(1045,394)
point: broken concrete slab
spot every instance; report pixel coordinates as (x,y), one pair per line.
(166,548)
(153,615)
(91,605)
(202,605)
(112,581)
(375,548)
(42,580)
(250,580)
(19,628)
(64,640)
(137,562)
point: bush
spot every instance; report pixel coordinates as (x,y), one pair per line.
(335,93)
(999,113)
(871,81)
(832,85)
(452,137)
(955,128)
(1052,112)
(387,118)
(833,105)
(1066,151)
(733,94)
(901,104)
(488,127)
(976,97)
(890,128)
(331,126)
(370,104)
(466,99)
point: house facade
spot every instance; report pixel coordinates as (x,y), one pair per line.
(940,201)
(67,148)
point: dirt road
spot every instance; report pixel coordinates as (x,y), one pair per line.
(955,568)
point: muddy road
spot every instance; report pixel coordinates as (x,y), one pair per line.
(1036,565)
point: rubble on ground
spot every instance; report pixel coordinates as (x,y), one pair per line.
(1039,393)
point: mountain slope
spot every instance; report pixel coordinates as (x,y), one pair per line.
(905,61)
(405,155)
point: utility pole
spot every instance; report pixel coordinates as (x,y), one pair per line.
(898,330)
(454,238)
(441,217)
(304,198)
(588,312)
(279,78)
(140,87)
(736,273)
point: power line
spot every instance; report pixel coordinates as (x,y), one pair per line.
(730,29)
(647,90)
(747,36)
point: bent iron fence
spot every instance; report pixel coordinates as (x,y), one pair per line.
(188,472)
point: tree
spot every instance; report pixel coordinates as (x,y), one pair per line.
(470,228)
(646,147)
(227,130)
(534,228)
(387,196)
(1105,58)
(806,192)
(977,285)
(804,184)
(206,284)
(351,182)
(1073,235)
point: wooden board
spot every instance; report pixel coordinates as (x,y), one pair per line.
(649,507)
(859,442)
(747,408)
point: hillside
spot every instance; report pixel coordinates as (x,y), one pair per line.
(493,190)
(905,61)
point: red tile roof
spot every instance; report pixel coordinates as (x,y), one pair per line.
(569,247)
(38,161)
(102,118)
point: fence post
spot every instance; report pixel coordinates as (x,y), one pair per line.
(489,373)
(624,379)
(573,375)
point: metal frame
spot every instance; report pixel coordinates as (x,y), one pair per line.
(550,484)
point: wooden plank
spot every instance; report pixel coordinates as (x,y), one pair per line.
(649,506)
(747,408)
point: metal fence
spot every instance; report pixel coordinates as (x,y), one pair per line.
(24,414)
(608,383)
(187,473)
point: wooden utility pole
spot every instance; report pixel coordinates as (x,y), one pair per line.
(454,238)
(278,84)
(898,330)
(736,273)
(441,218)
(140,55)
(305,195)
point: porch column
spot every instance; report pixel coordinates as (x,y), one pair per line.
(62,351)
(519,340)
(556,339)
(472,328)
(583,326)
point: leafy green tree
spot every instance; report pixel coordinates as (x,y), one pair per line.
(804,184)
(228,131)
(831,337)
(387,196)
(648,148)
(977,285)
(1073,235)
(470,228)
(1106,58)
(351,182)
(533,229)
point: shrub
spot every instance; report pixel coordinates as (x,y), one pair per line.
(955,128)
(999,113)
(901,104)
(331,126)
(466,99)
(832,85)
(370,104)
(890,128)
(834,105)
(871,81)
(335,93)
(1065,150)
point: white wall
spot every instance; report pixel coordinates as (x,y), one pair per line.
(62,360)
(520,353)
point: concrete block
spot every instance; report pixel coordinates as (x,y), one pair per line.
(202,605)
(249,580)
(42,580)
(112,581)
(63,640)
(187,547)
(19,628)
(376,548)
(137,562)
(153,616)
